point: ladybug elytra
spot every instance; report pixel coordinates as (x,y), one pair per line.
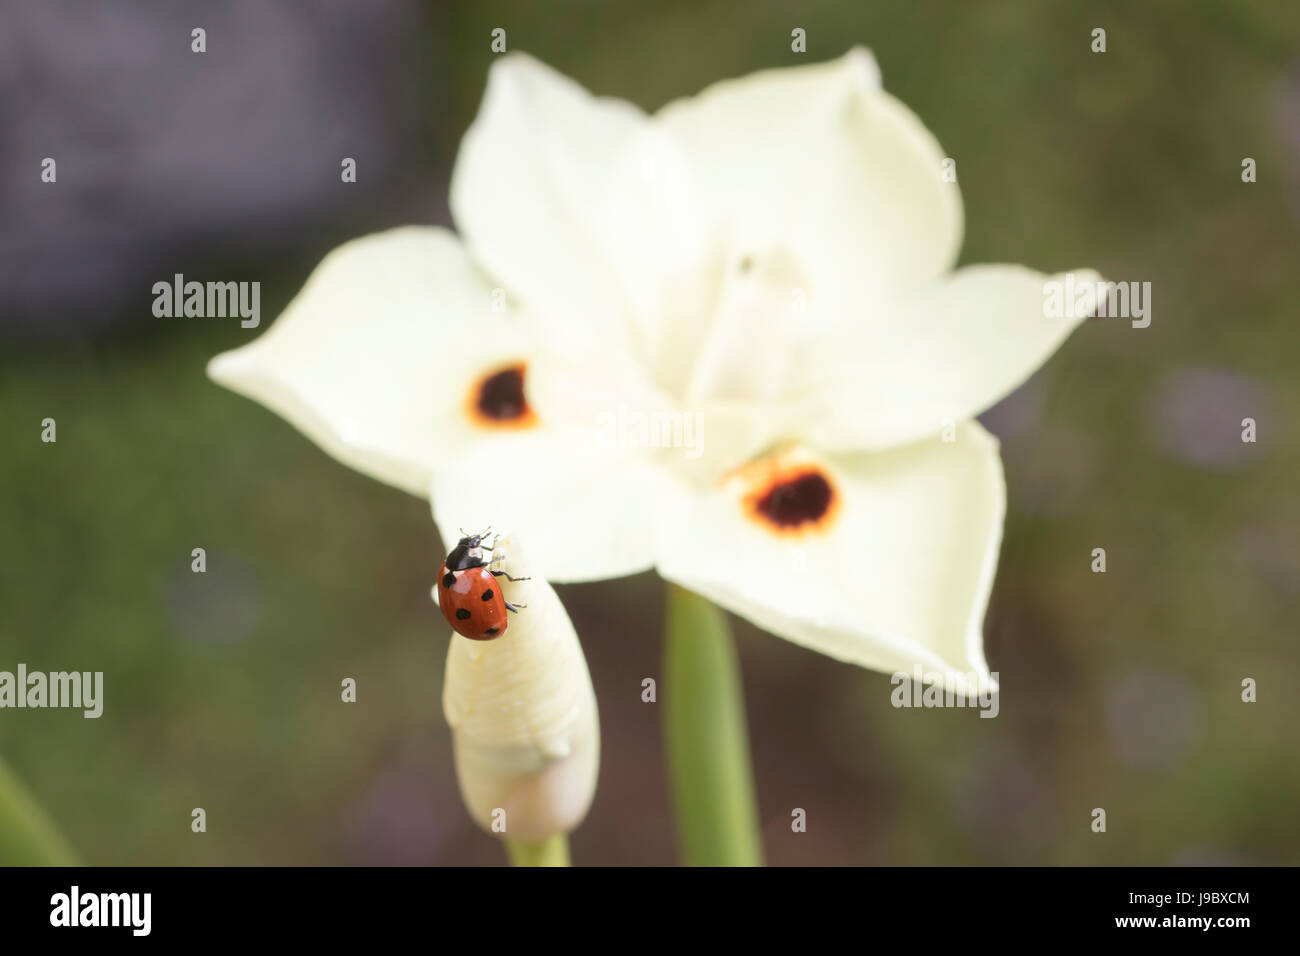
(468,593)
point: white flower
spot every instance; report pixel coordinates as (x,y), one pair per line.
(522,711)
(770,259)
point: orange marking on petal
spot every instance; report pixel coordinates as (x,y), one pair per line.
(786,494)
(496,399)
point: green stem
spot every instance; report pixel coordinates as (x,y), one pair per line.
(705,736)
(28,837)
(553,851)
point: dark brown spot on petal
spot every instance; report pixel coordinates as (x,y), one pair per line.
(797,500)
(497,399)
(787,493)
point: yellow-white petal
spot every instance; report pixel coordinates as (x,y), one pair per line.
(895,573)
(948,354)
(588,510)
(526,735)
(818,164)
(376,357)
(529,183)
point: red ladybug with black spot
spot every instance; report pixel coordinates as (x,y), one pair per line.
(468,592)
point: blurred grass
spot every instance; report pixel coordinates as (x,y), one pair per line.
(224,694)
(27,835)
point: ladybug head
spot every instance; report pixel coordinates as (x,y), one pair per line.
(469,541)
(468,552)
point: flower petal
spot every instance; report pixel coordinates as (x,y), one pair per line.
(884,560)
(819,163)
(950,353)
(376,357)
(530,184)
(588,511)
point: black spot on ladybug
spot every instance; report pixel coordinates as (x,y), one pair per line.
(501,396)
(462,614)
(448,579)
(492,630)
(489,594)
(797,500)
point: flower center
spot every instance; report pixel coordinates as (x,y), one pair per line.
(741,348)
(497,399)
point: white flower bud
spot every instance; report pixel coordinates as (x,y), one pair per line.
(522,710)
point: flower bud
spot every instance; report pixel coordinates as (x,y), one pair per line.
(525,733)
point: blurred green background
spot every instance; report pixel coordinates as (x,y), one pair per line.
(1120,690)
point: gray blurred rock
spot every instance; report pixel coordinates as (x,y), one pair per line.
(167,158)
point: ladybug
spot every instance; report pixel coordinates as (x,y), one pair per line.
(468,593)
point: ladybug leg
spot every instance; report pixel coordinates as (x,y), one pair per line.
(497,559)
(514,607)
